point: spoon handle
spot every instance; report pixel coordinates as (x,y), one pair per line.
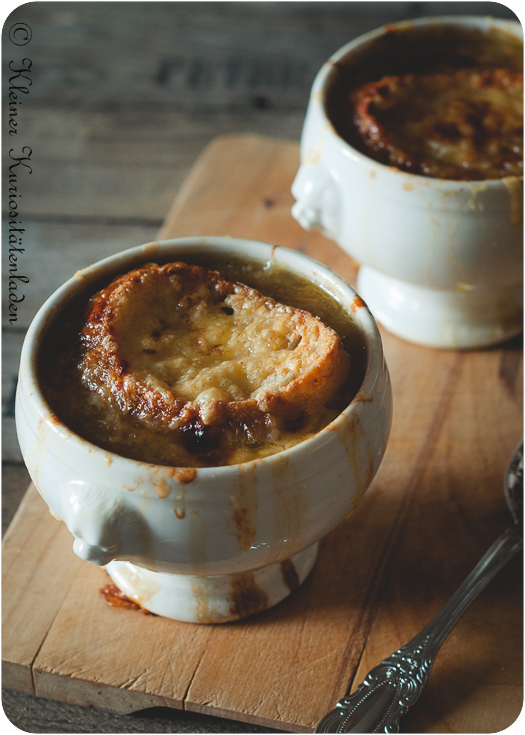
(396,683)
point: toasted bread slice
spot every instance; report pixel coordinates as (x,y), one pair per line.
(185,349)
(463,125)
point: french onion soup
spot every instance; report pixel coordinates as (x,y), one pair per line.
(181,364)
(443,102)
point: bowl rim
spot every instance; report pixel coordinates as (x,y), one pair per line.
(322,79)
(29,383)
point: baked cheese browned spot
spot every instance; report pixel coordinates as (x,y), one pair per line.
(464,125)
(183,349)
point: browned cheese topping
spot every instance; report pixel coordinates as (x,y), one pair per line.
(466,125)
(218,371)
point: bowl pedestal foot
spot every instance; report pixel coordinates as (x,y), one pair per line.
(212,599)
(465,318)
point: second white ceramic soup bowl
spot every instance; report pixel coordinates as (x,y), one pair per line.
(215,543)
(441,260)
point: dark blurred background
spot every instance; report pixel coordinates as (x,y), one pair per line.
(124,98)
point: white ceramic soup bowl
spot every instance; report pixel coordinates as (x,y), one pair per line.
(441,260)
(216,543)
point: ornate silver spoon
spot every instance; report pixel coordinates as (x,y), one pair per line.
(396,683)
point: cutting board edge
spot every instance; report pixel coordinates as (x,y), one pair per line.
(99,695)
(17,677)
(247,717)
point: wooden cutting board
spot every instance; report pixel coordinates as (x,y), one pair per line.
(433,509)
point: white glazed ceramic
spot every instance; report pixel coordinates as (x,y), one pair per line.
(211,544)
(441,259)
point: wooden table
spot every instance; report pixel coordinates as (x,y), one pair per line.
(125,96)
(434,507)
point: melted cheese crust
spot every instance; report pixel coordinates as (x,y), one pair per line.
(216,363)
(464,125)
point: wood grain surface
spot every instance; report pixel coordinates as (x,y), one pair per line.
(433,509)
